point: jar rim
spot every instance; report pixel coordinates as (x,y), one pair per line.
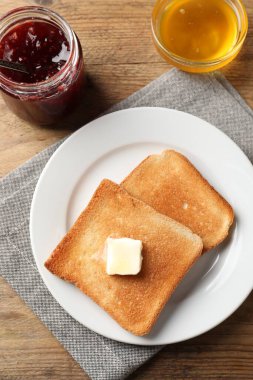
(36,13)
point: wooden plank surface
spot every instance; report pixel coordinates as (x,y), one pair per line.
(120,59)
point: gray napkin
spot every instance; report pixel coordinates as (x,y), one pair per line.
(210,97)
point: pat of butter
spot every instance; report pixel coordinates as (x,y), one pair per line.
(123,256)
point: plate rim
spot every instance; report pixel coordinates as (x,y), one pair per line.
(44,172)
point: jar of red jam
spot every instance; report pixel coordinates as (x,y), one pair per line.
(45,44)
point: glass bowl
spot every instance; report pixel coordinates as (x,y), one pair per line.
(195,66)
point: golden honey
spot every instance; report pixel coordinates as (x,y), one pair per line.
(197,30)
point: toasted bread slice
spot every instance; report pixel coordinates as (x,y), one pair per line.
(169,250)
(173,186)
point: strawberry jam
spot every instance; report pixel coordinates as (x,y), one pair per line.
(40,46)
(45,44)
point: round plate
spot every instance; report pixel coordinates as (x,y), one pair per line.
(111,146)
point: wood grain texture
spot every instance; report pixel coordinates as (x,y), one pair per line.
(120,59)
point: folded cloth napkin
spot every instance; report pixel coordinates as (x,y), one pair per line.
(211,98)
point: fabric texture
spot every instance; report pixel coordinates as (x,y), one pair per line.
(209,97)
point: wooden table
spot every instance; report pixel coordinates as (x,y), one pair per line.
(120,59)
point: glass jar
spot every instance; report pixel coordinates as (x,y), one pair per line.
(239,22)
(44,102)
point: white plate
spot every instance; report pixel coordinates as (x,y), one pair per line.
(109,147)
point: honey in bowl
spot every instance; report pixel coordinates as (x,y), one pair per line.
(194,33)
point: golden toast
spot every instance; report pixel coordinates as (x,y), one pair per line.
(173,186)
(169,250)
